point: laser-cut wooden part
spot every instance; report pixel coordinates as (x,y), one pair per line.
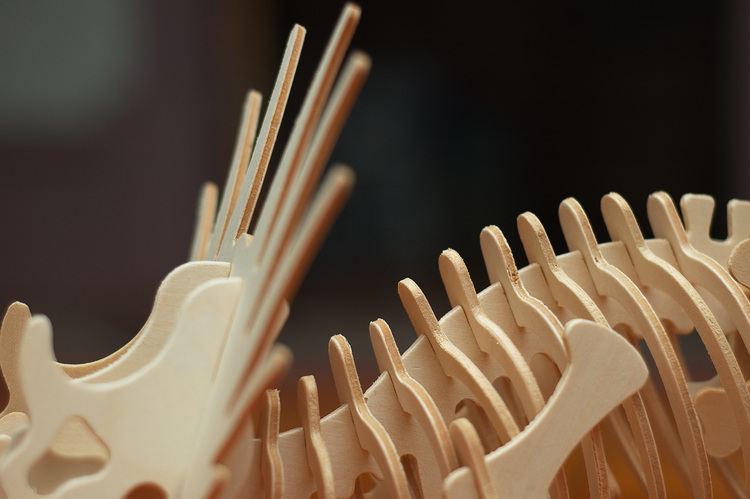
(238,171)
(702,271)
(490,338)
(413,397)
(493,341)
(371,434)
(204,220)
(471,454)
(249,339)
(11,335)
(610,281)
(535,316)
(268,428)
(237,458)
(655,272)
(454,362)
(294,163)
(600,362)
(239,220)
(317,455)
(698,211)
(162,401)
(572,297)
(739,263)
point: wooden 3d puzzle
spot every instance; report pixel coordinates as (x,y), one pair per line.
(488,401)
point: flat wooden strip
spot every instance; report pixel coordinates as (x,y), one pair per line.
(237,171)
(239,219)
(306,124)
(204,220)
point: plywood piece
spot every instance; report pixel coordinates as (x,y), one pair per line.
(610,281)
(156,407)
(655,272)
(570,295)
(600,362)
(698,211)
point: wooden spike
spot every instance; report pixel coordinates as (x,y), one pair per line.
(240,218)
(454,362)
(317,455)
(237,171)
(204,222)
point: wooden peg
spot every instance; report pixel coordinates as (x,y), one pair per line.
(471,453)
(317,455)
(372,436)
(610,281)
(454,362)
(600,362)
(412,396)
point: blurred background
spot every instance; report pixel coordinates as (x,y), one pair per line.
(112,115)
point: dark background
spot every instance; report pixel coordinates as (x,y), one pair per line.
(112,114)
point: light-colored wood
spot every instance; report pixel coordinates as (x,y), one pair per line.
(268,426)
(573,298)
(293,164)
(739,263)
(471,453)
(204,220)
(11,336)
(655,272)
(454,362)
(412,396)
(532,314)
(600,362)
(239,220)
(237,172)
(317,455)
(490,338)
(173,411)
(610,281)
(370,433)
(160,403)
(698,210)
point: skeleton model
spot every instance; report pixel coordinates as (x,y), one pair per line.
(488,401)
